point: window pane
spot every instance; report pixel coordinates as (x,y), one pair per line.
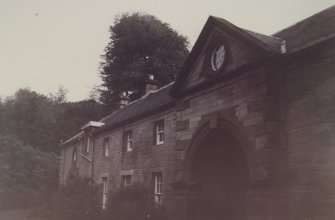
(159,132)
(104,192)
(106,147)
(126,181)
(158,187)
(129,136)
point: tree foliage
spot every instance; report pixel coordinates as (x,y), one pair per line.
(27,174)
(29,116)
(60,95)
(70,116)
(32,126)
(78,200)
(41,121)
(140,44)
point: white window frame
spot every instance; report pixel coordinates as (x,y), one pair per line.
(88,144)
(159,132)
(129,140)
(126,181)
(74,155)
(104,181)
(158,187)
(106,147)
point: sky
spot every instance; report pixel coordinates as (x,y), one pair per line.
(45,44)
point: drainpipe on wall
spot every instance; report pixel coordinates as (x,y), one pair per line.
(92,166)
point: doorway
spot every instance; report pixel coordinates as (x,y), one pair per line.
(219,174)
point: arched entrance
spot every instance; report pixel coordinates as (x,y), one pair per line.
(218,171)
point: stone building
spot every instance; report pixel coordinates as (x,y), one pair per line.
(247,131)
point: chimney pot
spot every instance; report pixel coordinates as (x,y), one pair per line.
(123,99)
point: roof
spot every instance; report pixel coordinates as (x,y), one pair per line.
(267,43)
(74,138)
(152,101)
(274,43)
(269,46)
(314,29)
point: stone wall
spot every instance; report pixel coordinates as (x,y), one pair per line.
(252,104)
(310,127)
(285,118)
(145,158)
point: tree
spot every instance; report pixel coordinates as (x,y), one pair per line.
(27,174)
(140,44)
(42,122)
(78,199)
(70,116)
(32,126)
(29,116)
(60,95)
(94,94)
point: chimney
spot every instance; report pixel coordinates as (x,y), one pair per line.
(150,84)
(123,99)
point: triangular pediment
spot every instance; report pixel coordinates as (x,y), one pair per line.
(221,49)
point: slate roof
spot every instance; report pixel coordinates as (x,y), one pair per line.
(314,29)
(74,138)
(148,102)
(274,43)
(152,101)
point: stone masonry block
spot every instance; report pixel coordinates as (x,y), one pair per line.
(182,125)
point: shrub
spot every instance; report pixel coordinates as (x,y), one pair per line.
(132,203)
(78,200)
(27,175)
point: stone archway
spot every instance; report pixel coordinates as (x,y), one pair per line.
(219,175)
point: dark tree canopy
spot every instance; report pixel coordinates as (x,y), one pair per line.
(27,174)
(140,44)
(42,122)
(32,126)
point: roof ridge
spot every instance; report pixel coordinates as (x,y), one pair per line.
(270,36)
(146,95)
(268,43)
(136,101)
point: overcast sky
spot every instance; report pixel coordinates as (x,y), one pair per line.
(45,44)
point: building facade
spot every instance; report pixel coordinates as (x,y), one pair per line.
(247,131)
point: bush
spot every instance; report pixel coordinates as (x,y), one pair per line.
(27,175)
(132,203)
(78,200)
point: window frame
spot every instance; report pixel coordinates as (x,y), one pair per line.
(105,147)
(87,142)
(158,187)
(126,181)
(104,181)
(129,141)
(159,132)
(74,156)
